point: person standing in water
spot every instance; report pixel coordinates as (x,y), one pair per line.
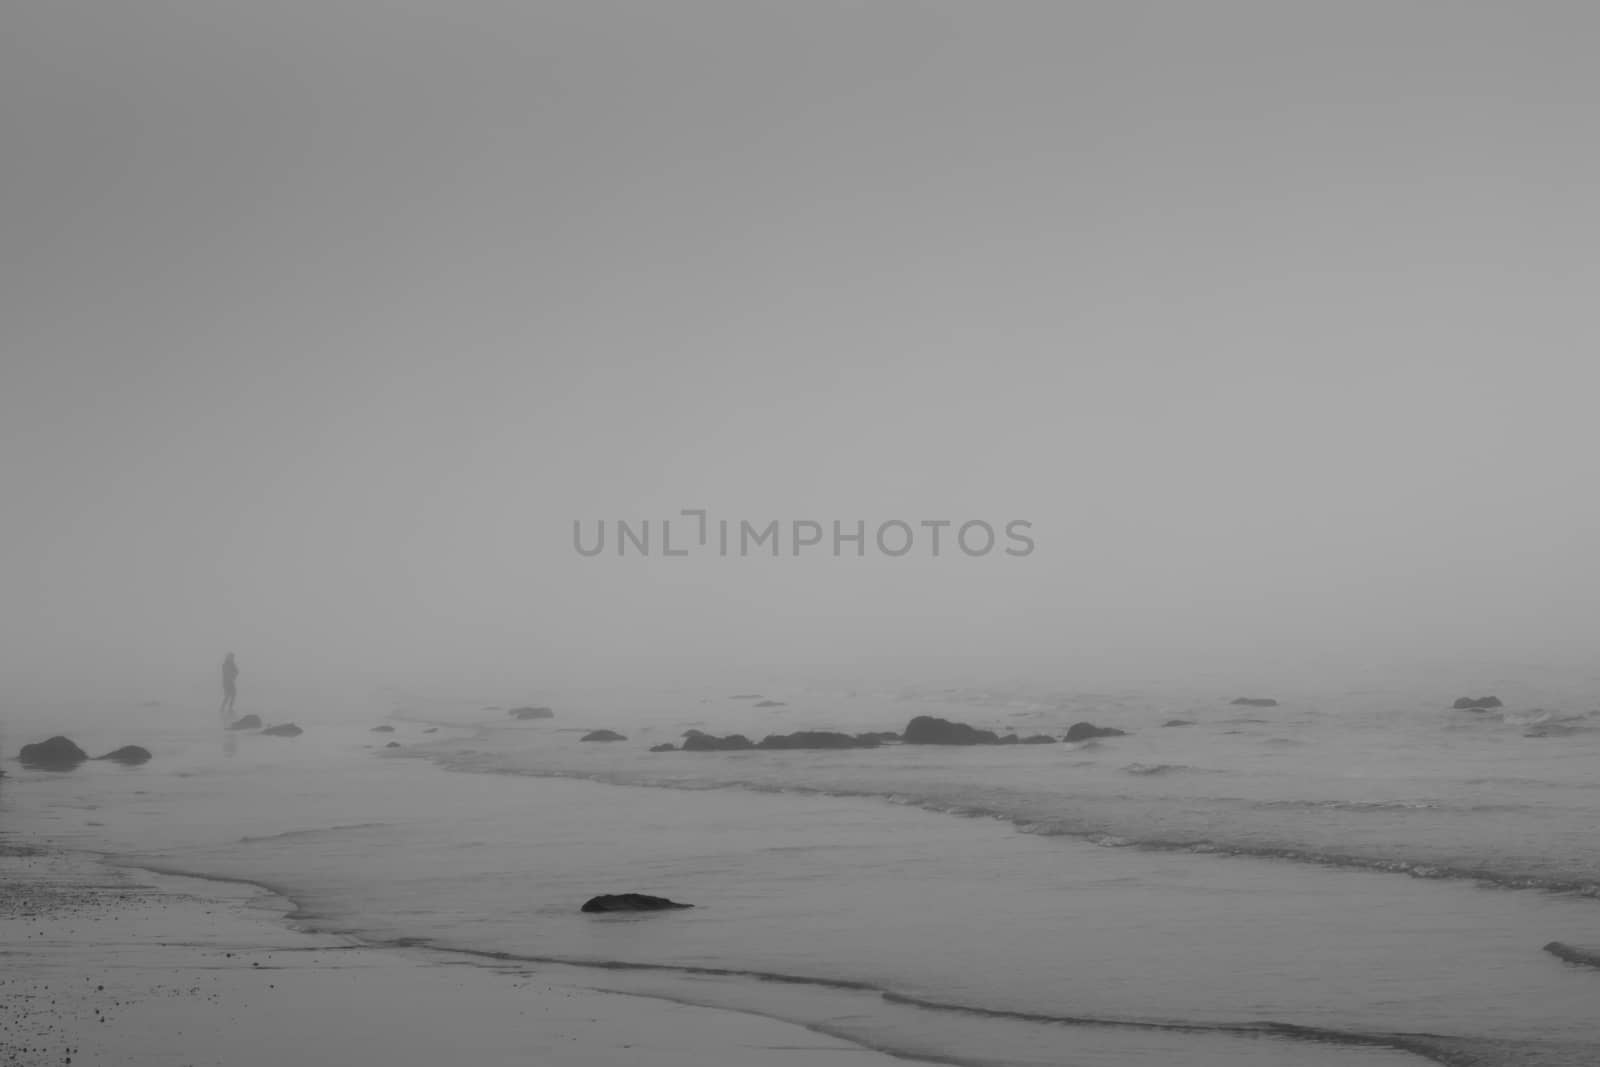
(230,675)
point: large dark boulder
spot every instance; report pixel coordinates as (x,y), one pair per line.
(56,754)
(1039,739)
(700,742)
(1476,703)
(1083,731)
(602,735)
(815,739)
(246,722)
(128,756)
(630,902)
(927,730)
(287,729)
(531,713)
(1255,702)
(665,746)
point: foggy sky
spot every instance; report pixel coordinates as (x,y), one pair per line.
(320,324)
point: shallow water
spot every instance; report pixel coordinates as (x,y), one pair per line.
(848,870)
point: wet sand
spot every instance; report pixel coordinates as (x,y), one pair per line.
(104,965)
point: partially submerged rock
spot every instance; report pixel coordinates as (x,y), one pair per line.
(630,902)
(128,756)
(695,741)
(881,736)
(816,739)
(1083,731)
(392,744)
(770,704)
(1476,703)
(531,712)
(665,746)
(1178,722)
(56,754)
(246,722)
(1255,702)
(602,735)
(287,729)
(928,730)
(1039,739)
(383,729)
(1587,957)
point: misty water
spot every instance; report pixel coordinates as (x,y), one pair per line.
(1357,864)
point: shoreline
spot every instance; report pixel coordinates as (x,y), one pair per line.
(108,963)
(902,1026)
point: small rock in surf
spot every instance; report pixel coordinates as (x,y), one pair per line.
(695,741)
(1083,731)
(1476,703)
(1586,957)
(602,735)
(58,753)
(928,730)
(1255,702)
(531,713)
(630,902)
(287,729)
(246,722)
(128,756)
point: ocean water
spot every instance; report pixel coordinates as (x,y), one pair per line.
(1357,876)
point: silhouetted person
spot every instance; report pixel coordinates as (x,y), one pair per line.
(230,675)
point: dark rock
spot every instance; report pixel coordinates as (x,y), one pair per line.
(602,735)
(128,756)
(1476,703)
(770,704)
(531,713)
(1010,739)
(1177,722)
(392,744)
(431,730)
(1083,731)
(880,736)
(631,902)
(1039,739)
(383,729)
(246,722)
(288,729)
(58,753)
(699,742)
(1585,957)
(665,746)
(815,739)
(927,730)
(1255,702)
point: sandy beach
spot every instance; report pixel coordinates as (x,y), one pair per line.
(107,965)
